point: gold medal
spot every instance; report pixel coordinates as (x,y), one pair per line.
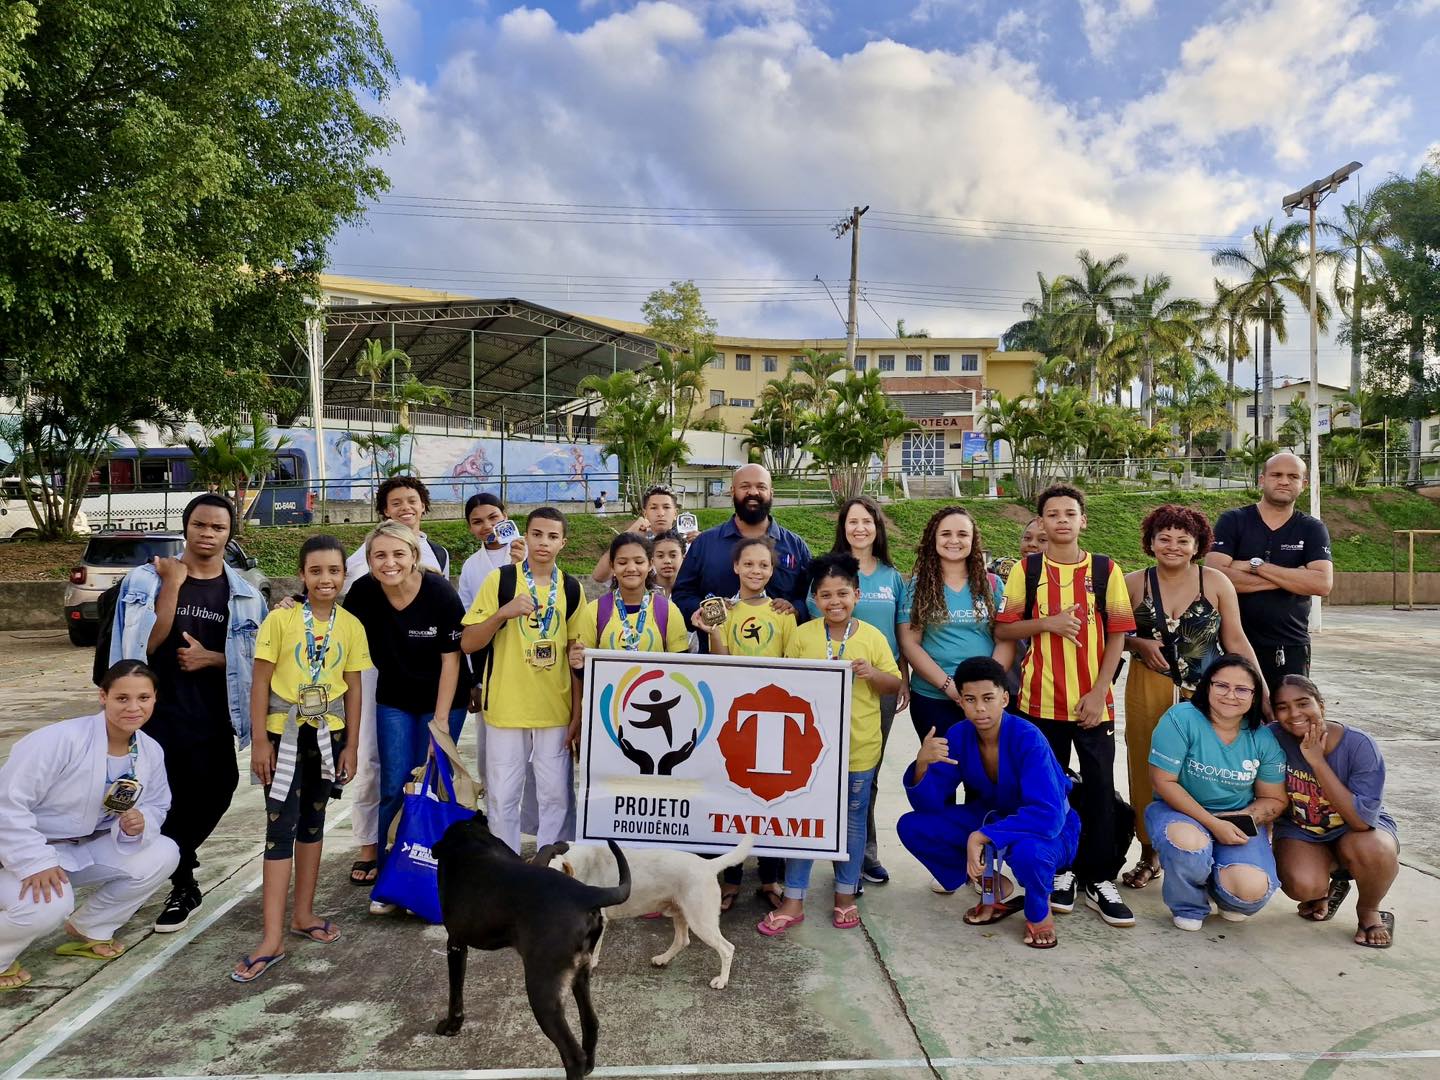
(713,610)
(122,795)
(314,700)
(541,654)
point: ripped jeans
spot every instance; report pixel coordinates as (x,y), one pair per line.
(847,874)
(1192,878)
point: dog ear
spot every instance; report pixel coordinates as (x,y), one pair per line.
(545,854)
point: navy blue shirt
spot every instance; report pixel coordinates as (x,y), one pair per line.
(709,570)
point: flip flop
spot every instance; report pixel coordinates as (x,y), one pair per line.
(774,924)
(1339,889)
(1032,929)
(772,897)
(1002,910)
(368,869)
(846,918)
(309,933)
(13,971)
(87,950)
(1387,922)
(728,895)
(268,961)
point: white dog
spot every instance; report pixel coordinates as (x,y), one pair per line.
(675,883)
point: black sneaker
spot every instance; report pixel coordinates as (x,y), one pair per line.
(175,915)
(1105,898)
(875,874)
(1062,893)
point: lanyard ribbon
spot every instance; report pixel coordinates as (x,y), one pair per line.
(542,618)
(830,653)
(630,635)
(314,656)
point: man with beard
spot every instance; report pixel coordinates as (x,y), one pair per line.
(1278,559)
(708,569)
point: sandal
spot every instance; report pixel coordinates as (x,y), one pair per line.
(366,869)
(1387,924)
(1141,874)
(728,893)
(14,971)
(774,924)
(993,913)
(771,895)
(268,961)
(1033,930)
(309,932)
(846,918)
(1330,902)
(87,950)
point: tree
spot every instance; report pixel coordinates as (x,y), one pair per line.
(170,178)
(1038,331)
(1295,431)
(677,317)
(902,332)
(235,462)
(1194,401)
(634,425)
(775,428)
(1226,318)
(1253,454)
(819,369)
(373,362)
(680,380)
(850,425)
(1091,303)
(1359,237)
(1272,266)
(1160,327)
(385,449)
(1044,430)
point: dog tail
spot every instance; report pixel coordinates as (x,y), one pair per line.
(615,894)
(736,855)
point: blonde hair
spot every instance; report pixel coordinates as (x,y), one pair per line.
(393,530)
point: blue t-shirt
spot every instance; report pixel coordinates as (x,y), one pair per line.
(880,596)
(1220,778)
(1357,763)
(964,633)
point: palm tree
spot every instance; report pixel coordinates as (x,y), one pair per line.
(1093,302)
(1036,332)
(1272,266)
(774,427)
(679,380)
(1360,238)
(235,459)
(820,368)
(1226,317)
(1160,327)
(1195,400)
(371,364)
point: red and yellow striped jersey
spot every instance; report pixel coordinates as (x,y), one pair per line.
(1057,673)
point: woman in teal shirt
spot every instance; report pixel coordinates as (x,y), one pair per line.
(860,531)
(947,616)
(1219,779)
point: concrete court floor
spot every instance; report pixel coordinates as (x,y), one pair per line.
(916,993)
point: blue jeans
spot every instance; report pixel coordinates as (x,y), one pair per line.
(1192,878)
(847,874)
(404,740)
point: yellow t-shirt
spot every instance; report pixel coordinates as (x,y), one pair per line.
(677,638)
(758,630)
(282,642)
(866,643)
(518,694)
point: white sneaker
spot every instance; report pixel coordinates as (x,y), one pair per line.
(936,887)
(1233,916)
(379,907)
(1189,924)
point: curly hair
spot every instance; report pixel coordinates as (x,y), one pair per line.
(927,606)
(1172,516)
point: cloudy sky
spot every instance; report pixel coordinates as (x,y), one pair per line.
(580,154)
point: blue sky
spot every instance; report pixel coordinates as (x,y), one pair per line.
(992,140)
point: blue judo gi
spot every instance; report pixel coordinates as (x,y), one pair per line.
(1025,811)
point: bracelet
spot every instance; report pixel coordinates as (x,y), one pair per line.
(949,682)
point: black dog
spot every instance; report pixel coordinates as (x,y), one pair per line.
(493,899)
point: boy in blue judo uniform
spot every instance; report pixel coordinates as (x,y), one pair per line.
(1016,802)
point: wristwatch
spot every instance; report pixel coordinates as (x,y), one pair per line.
(1256,563)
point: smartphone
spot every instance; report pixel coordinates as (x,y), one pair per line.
(1245,822)
(687,524)
(506,532)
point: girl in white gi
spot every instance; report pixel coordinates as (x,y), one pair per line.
(81,803)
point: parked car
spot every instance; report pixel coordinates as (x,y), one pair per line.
(110,556)
(16,521)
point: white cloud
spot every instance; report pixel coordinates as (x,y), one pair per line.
(1105,20)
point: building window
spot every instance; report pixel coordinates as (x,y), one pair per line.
(1249,412)
(887,363)
(742,361)
(770,363)
(717,361)
(940,362)
(795,360)
(964,401)
(922,454)
(859,361)
(914,362)
(717,397)
(742,402)
(1434,431)
(970,362)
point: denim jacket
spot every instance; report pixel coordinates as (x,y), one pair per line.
(135,618)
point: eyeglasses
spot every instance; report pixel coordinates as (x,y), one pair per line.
(1223,688)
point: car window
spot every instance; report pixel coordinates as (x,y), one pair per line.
(129,550)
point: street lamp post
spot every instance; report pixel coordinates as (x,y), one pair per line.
(1310,197)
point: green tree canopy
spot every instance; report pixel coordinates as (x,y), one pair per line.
(677,317)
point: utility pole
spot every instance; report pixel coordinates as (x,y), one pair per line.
(852,326)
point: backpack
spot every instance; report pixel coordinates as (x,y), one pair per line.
(442,556)
(105,613)
(662,612)
(1100,567)
(483,661)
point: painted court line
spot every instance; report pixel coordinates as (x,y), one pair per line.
(773,1068)
(64,1030)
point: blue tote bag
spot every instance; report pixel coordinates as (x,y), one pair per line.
(408,878)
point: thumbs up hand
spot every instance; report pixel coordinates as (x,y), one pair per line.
(192,656)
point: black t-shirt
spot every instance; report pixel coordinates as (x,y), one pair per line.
(193,705)
(406,645)
(1274,616)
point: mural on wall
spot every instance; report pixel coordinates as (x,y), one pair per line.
(456,467)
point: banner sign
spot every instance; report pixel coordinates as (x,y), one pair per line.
(693,752)
(974,448)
